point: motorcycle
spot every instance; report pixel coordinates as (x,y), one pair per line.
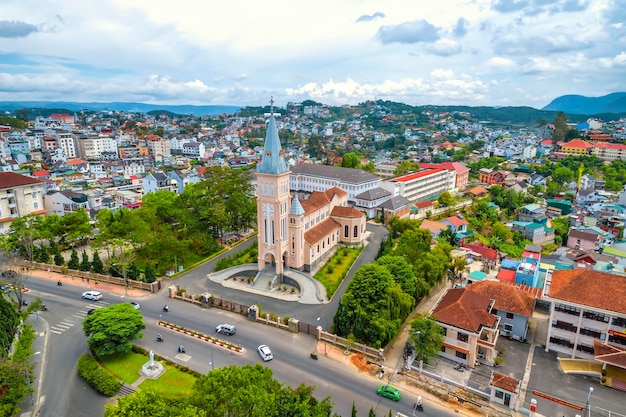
(59,283)
(166,308)
(181,349)
(418,404)
(459,367)
(314,355)
(44,308)
(159,338)
(381,375)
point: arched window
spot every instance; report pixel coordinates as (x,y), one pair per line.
(346,231)
(356,231)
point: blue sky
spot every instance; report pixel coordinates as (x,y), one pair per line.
(241,52)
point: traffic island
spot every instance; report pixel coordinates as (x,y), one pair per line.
(201,336)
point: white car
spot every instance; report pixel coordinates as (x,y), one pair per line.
(225,328)
(135,305)
(265,352)
(92,295)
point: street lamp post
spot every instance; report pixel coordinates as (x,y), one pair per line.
(323,325)
(588,398)
(212,361)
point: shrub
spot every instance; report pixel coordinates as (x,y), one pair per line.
(498,361)
(273,316)
(286,319)
(181,291)
(330,269)
(96,376)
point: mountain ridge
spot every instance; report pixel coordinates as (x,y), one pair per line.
(577,104)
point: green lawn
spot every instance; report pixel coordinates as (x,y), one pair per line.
(336,268)
(126,367)
(172,381)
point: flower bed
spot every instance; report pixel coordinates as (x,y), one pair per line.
(202,336)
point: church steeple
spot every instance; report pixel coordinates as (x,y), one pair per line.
(272,161)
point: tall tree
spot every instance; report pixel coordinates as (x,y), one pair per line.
(112,329)
(426,336)
(560,127)
(74,263)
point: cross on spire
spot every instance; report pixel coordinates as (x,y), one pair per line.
(271,104)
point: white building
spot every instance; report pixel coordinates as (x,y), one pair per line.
(19,196)
(65,140)
(91,147)
(422,185)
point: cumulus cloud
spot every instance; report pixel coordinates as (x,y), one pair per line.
(460,29)
(444,47)
(408,32)
(16,29)
(370,17)
(535,7)
(515,45)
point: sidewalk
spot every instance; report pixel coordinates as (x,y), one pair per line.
(86,284)
(30,405)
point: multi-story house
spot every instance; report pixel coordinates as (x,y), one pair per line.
(528,270)
(534,231)
(470,327)
(370,201)
(133,166)
(19,196)
(585,239)
(92,147)
(513,305)
(65,202)
(159,147)
(532,212)
(180,179)
(194,150)
(576,147)
(157,181)
(422,185)
(65,140)
(492,177)
(587,316)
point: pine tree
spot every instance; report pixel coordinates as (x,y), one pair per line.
(371,413)
(149,274)
(133,272)
(85,265)
(73,263)
(354,414)
(44,256)
(96,263)
(58,259)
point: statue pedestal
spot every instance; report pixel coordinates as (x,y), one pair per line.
(152,369)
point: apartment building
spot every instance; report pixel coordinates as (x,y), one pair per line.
(422,185)
(65,141)
(587,307)
(158,147)
(19,196)
(65,202)
(609,151)
(91,147)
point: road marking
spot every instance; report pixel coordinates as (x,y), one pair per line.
(61,325)
(67,323)
(79,316)
(55,332)
(183,357)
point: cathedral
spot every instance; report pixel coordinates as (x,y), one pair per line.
(293,233)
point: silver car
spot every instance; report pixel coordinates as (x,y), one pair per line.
(265,352)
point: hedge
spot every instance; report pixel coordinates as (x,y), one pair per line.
(96,376)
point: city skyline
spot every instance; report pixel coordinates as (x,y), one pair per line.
(474,52)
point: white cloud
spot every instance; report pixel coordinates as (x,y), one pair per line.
(479,52)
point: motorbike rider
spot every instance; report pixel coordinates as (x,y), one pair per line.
(166,308)
(159,337)
(59,283)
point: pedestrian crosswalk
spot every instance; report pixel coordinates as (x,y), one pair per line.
(74,319)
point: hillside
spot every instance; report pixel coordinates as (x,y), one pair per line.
(125,107)
(575,104)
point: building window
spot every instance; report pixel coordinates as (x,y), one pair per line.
(461,355)
(499,394)
(462,337)
(508,327)
(356,231)
(509,315)
(346,231)
(494,311)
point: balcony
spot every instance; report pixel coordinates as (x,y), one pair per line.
(565,326)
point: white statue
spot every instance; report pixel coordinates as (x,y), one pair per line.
(151,358)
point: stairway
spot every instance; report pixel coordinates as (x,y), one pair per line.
(126,390)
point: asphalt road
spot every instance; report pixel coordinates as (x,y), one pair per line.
(67,395)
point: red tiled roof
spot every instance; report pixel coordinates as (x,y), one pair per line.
(320,231)
(11,179)
(347,212)
(505,382)
(456,221)
(611,354)
(433,226)
(424,204)
(507,297)
(477,190)
(484,251)
(317,200)
(577,143)
(591,288)
(464,309)
(331,192)
(506,275)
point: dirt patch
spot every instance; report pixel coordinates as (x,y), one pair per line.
(360,362)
